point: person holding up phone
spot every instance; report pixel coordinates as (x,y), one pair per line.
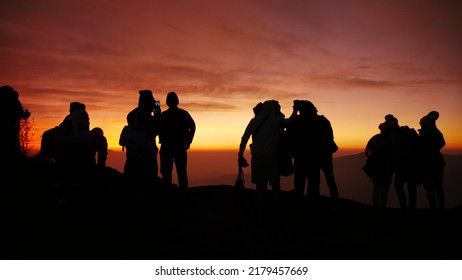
(141,168)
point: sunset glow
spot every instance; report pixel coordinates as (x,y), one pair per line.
(355,60)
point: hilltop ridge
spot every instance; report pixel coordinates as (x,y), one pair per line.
(212,223)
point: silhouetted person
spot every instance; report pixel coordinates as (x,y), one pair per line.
(327,148)
(408,167)
(382,148)
(176,135)
(100,143)
(141,169)
(66,129)
(11,114)
(247,133)
(266,129)
(257,109)
(84,152)
(312,138)
(432,141)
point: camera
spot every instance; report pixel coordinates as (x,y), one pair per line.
(157,107)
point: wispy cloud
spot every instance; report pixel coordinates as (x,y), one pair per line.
(226,55)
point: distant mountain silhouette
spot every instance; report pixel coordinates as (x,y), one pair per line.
(213,224)
(353,184)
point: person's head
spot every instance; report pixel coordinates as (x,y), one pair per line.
(98,130)
(9,91)
(146,99)
(270,107)
(80,120)
(305,107)
(257,109)
(74,106)
(429,120)
(391,123)
(382,127)
(172,99)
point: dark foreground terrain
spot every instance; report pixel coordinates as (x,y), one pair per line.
(212,223)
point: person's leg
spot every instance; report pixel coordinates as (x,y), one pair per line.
(300,177)
(314,182)
(429,186)
(272,169)
(376,192)
(261,183)
(380,191)
(429,189)
(327,167)
(166,165)
(152,188)
(386,187)
(439,192)
(399,187)
(382,194)
(181,164)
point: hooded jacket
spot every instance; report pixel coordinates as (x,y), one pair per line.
(266,129)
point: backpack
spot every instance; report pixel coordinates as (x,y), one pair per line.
(409,142)
(47,144)
(79,149)
(375,167)
(286,166)
(137,142)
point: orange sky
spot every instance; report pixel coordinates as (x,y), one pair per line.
(355,60)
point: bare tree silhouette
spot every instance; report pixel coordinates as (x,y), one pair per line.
(26,134)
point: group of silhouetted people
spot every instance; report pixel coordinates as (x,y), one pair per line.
(403,156)
(175,129)
(79,153)
(305,137)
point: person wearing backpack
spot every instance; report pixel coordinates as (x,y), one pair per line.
(432,141)
(58,139)
(327,148)
(312,140)
(382,155)
(84,152)
(141,168)
(265,129)
(408,167)
(176,135)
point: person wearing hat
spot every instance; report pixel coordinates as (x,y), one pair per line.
(432,141)
(266,129)
(77,116)
(312,141)
(381,152)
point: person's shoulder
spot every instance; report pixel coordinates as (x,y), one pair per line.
(377,137)
(183,111)
(323,119)
(134,111)
(167,112)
